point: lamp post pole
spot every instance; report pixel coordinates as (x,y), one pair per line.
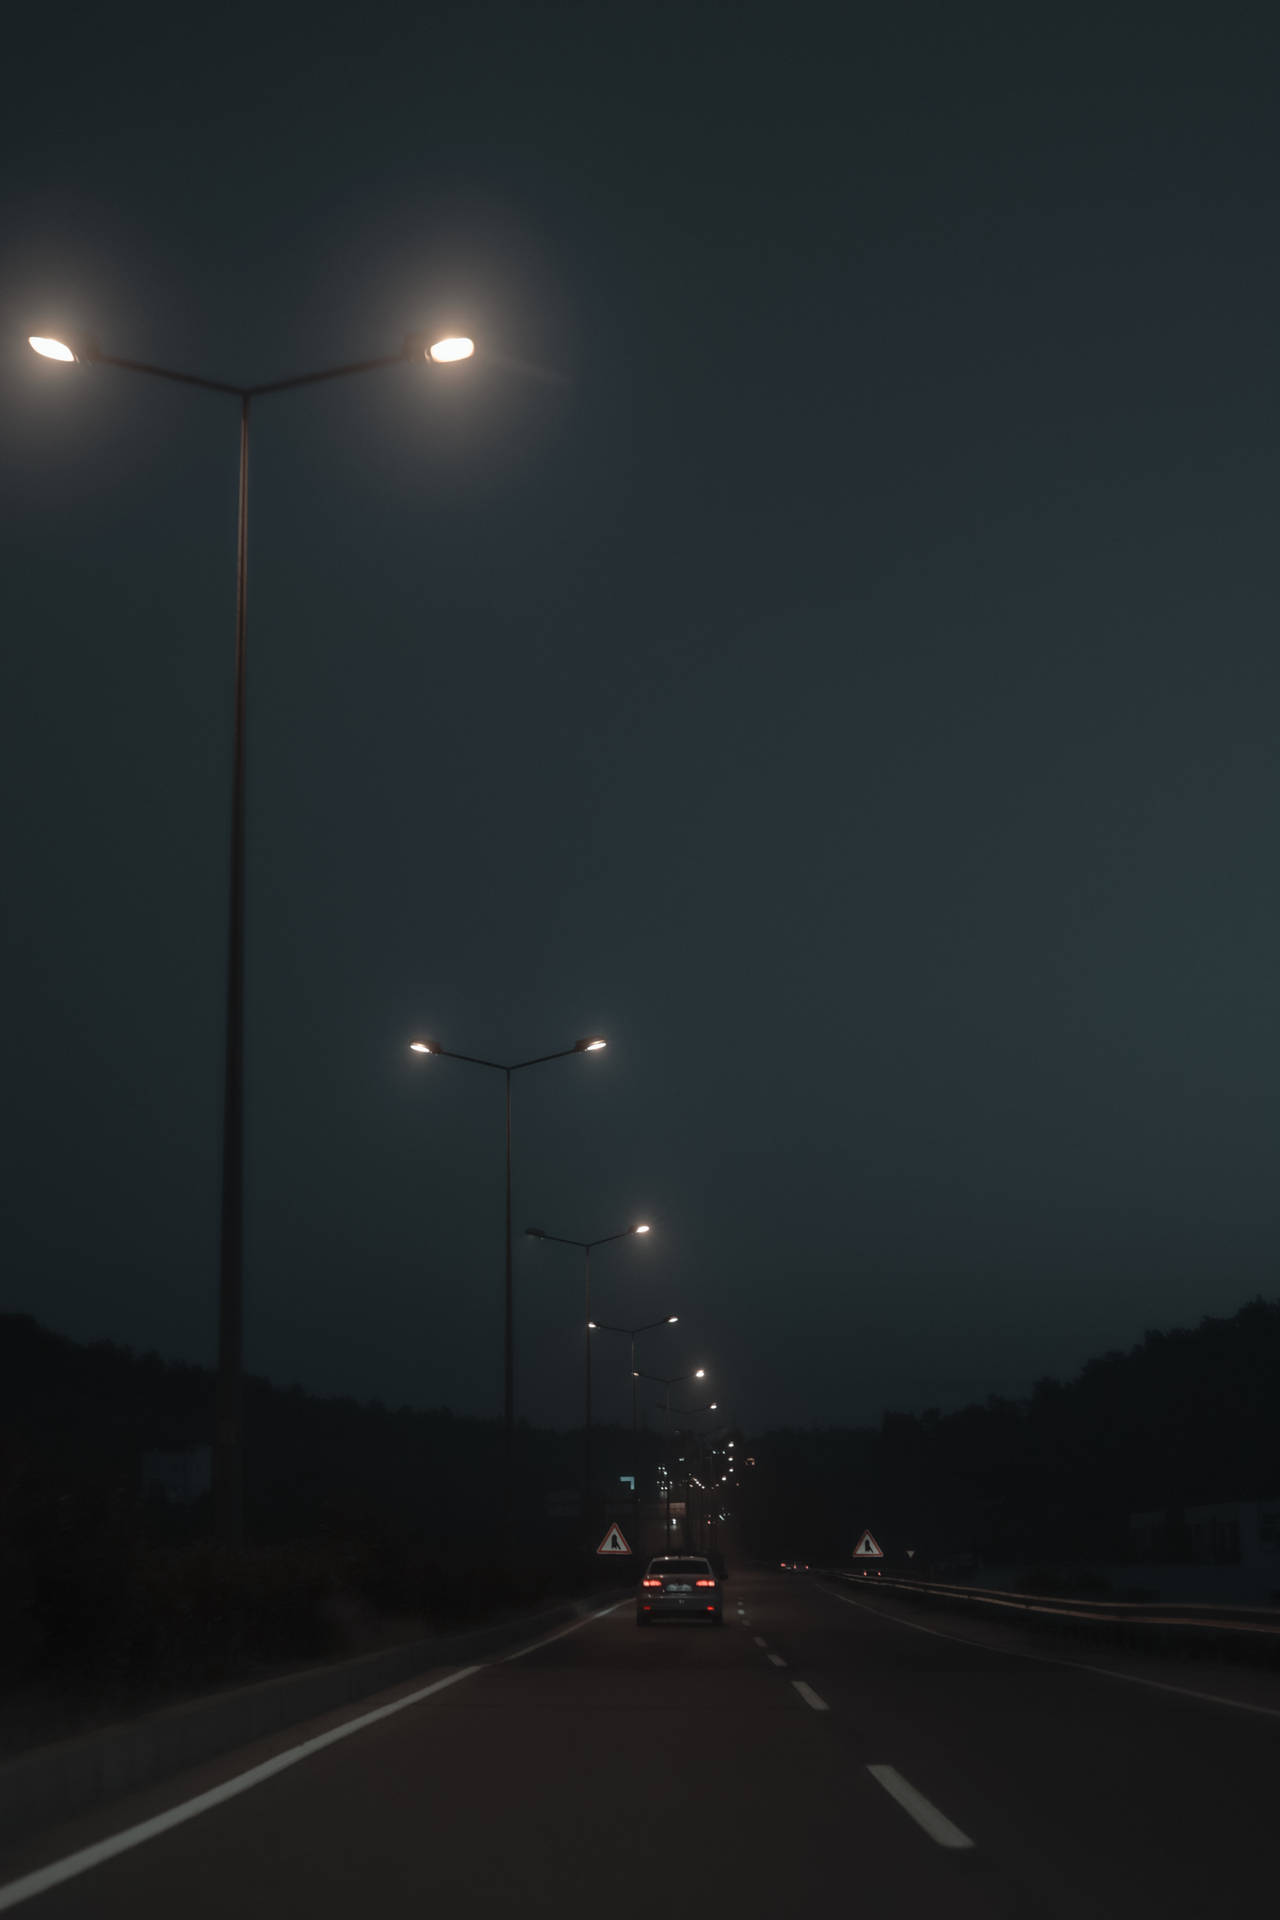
(593,1043)
(228,1450)
(585,1246)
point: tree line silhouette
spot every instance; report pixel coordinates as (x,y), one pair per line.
(1184,1418)
(366,1519)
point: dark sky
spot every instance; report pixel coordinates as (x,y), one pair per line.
(825,641)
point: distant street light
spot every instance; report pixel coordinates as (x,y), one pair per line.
(228,1457)
(591,1044)
(585,1246)
(699,1373)
(631,1334)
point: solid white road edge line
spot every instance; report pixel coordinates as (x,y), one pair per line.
(922,1811)
(84,1858)
(1057,1660)
(533,1646)
(777,1660)
(815,1700)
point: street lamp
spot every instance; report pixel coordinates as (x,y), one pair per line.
(228,1458)
(585,1246)
(591,1044)
(699,1373)
(687,1413)
(631,1334)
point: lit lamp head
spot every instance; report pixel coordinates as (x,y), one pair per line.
(423,1046)
(592,1044)
(641,1229)
(51,349)
(672,1318)
(456,347)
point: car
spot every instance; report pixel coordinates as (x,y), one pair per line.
(679,1587)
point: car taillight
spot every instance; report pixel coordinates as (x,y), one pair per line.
(704,1583)
(646,1582)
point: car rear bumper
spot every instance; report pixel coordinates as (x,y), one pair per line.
(676,1610)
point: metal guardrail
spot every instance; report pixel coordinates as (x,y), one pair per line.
(1256,1627)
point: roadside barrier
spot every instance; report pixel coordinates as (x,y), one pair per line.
(52,1783)
(1246,1633)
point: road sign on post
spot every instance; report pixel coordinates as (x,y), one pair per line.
(866,1548)
(613,1541)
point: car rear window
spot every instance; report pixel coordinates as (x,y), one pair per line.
(681,1566)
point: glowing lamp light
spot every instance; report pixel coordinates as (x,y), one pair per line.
(421,1046)
(50,349)
(459,348)
(672,1318)
(592,1044)
(639,1229)
(700,1373)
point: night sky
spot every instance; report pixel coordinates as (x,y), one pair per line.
(825,641)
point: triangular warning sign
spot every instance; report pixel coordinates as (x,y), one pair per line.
(613,1541)
(866,1548)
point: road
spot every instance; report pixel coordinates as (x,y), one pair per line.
(810,1750)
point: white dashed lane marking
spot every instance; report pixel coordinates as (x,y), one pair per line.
(922,1811)
(777,1660)
(812,1699)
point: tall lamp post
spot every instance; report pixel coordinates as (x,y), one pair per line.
(591,1044)
(584,1247)
(228,1454)
(631,1333)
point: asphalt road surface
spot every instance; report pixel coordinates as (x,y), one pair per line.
(810,1750)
